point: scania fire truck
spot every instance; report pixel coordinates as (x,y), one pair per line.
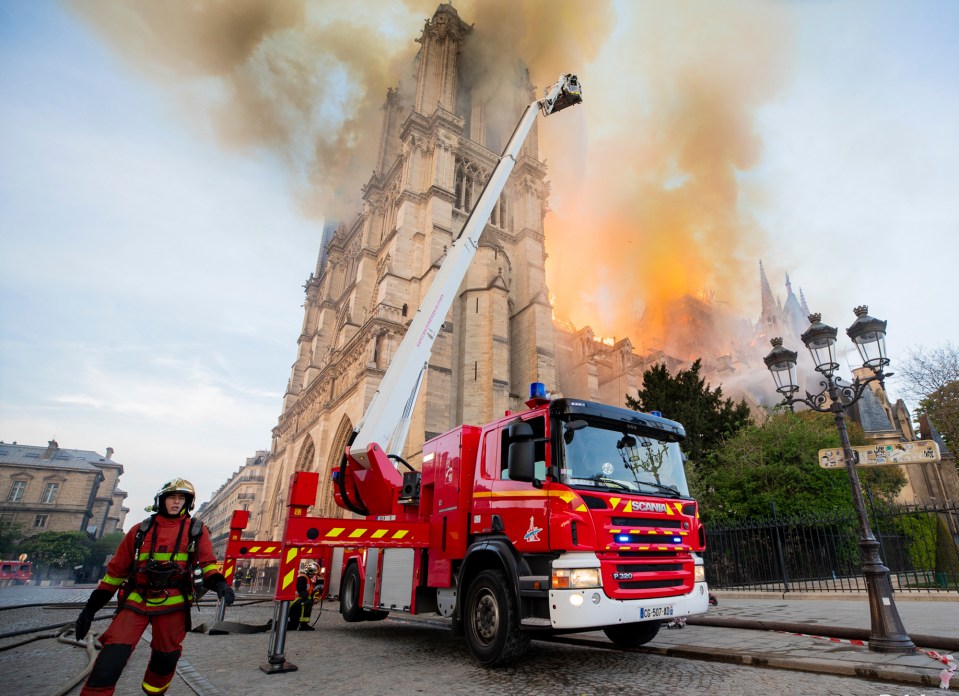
(568,516)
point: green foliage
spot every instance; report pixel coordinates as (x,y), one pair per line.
(777,462)
(921,531)
(58,549)
(11,535)
(708,418)
(941,407)
(883,482)
(103,547)
(947,553)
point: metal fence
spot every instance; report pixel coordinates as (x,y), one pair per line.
(918,543)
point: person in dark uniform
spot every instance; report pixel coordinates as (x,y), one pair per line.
(307,591)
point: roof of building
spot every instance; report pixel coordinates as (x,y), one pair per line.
(52,455)
(872,416)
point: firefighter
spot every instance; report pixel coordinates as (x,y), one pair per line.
(307,591)
(153,569)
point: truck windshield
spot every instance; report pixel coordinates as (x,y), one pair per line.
(596,455)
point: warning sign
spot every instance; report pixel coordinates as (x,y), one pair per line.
(918,452)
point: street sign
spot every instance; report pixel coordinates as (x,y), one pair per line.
(918,452)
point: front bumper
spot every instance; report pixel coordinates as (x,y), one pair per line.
(591,608)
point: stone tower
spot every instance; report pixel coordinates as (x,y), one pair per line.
(437,146)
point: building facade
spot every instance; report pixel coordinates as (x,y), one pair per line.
(242,491)
(50,489)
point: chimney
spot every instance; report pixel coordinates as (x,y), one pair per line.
(52,447)
(109,453)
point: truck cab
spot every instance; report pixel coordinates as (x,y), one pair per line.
(579,511)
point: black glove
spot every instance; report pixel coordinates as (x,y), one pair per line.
(82,624)
(225,592)
(97,600)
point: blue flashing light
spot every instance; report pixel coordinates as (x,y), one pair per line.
(537,390)
(677,540)
(623,538)
(658,414)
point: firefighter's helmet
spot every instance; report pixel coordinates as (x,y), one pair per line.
(310,568)
(177,485)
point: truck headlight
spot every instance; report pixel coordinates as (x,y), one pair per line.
(574,578)
(699,574)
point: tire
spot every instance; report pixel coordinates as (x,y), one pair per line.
(491,621)
(632,635)
(350,596)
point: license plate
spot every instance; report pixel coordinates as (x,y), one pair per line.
(655,612)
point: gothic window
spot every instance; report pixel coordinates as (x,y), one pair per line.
(406,309)
(469,181)
(500,217)
(16,491)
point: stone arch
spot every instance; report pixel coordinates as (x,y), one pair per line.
(326,505)
(304,462)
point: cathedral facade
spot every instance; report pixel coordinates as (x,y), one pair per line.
(437,148)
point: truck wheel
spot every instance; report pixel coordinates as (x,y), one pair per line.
(350,595)
(491,621)
(632,635)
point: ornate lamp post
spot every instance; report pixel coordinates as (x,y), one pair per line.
(887,632)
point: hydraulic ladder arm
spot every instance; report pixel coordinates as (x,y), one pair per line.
(367,480)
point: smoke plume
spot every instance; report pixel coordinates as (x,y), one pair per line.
(650,176)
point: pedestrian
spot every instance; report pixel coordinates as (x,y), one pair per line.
(153,571)
(307,593)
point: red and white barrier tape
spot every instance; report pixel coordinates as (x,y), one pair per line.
(945,676)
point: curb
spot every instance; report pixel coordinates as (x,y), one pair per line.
(860,670)
(939,642)
(834,596)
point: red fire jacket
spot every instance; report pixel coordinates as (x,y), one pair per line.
(158,545)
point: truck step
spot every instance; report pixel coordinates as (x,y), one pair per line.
(536,622)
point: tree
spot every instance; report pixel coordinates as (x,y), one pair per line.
(103,547)
(778,462)
(708,418)
(11,534)
(925,372)
(931,377)
(58,549)
(941,407)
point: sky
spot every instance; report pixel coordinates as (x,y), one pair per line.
(163,189)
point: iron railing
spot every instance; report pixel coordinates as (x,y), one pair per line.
(918,543)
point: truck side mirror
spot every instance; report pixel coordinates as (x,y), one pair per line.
(521,457)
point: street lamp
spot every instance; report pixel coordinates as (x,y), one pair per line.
(887,634)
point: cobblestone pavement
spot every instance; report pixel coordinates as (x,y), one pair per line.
(407,656)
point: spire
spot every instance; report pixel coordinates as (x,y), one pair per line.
(770,311)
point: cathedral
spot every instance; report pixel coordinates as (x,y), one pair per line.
(438,143)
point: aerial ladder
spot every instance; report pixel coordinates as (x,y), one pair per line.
(367,481)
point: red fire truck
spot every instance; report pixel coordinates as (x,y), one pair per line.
(16,572)
(565,517)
